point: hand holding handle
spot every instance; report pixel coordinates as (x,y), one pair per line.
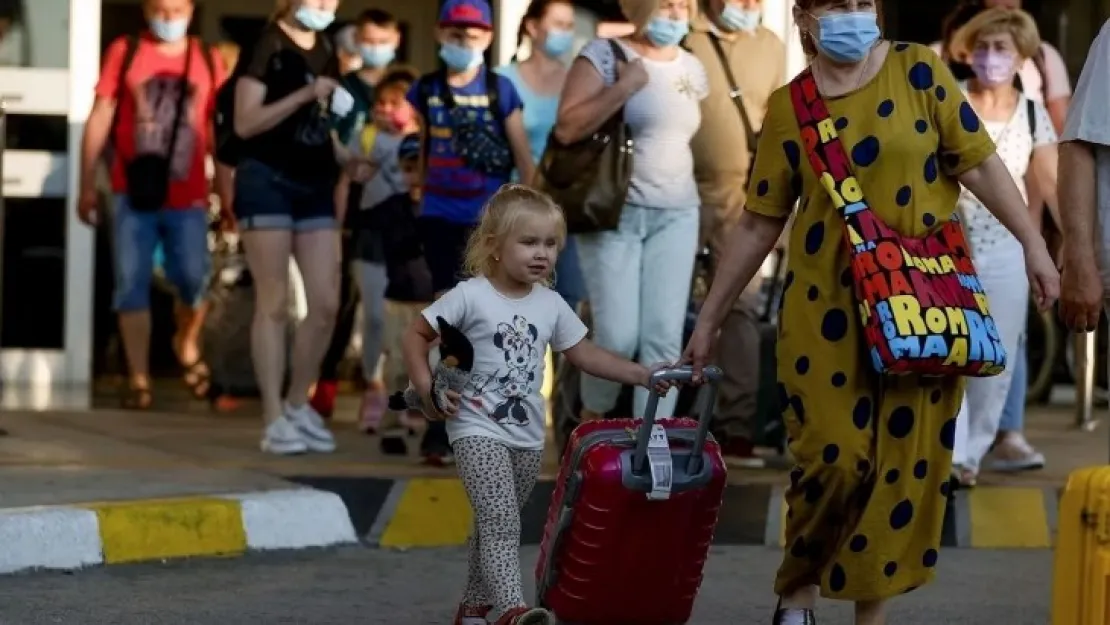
(707,399)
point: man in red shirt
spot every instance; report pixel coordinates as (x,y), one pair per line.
(159,178)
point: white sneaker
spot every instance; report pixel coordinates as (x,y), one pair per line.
(282,438)
(311,427)
(1014,454)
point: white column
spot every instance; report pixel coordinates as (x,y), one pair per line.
(507,16)
(84,69)
(779,17)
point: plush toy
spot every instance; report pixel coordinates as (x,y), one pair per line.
(451,373)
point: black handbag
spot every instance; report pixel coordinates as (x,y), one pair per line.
(148,175)
(590,178)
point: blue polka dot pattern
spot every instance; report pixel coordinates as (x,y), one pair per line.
(905,194)
(931,171)
(815,236)
(929,220)
(858,543)
(839,379)
(838,579)
(830,454)
(901,47)
(968,119)
(941,93)
(921,469)
(901,515)
(834,326)
(890,569)
(762,188)
(892,476)
(841,123)
(901,422)
(866,152)
(921,126)
(793,154)
(948,434)
(930,558)
(812,294)
(886,108)
(861,414)
(921,76)
(802,365)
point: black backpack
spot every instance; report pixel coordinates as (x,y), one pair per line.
(229,146)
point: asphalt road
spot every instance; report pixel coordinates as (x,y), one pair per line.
(365,586)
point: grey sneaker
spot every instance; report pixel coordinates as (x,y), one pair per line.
(311,427)
(282,438)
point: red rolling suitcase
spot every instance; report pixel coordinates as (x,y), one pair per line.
(621,545)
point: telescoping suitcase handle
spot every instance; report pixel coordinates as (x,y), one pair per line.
(707,398)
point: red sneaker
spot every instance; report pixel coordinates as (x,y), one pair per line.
(526,616)
(323,400)
(467,611)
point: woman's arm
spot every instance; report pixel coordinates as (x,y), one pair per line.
(751,240)
(518,143)
(253,118)
(1043,168)
(586,103)
(992,183)
(604,364)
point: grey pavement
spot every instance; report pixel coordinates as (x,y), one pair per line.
(359,585)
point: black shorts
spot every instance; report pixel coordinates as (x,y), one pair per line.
(444,248)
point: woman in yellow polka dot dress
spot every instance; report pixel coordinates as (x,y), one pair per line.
(867,498)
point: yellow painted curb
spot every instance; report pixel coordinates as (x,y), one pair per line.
(431,513)
(1008,518)
(135,531)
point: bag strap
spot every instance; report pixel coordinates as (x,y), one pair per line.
(493,93)
(129,54)
(182,99)
(823,146)
(1031,113)
(734,93)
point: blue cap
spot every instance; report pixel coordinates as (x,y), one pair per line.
(409,147)
(471,13)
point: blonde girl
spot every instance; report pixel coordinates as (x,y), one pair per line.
(496,425)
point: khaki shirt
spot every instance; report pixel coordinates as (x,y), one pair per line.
(758,61)
(721,155)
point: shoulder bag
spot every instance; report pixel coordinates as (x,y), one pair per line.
(590,178)
(920,302)
(148,175)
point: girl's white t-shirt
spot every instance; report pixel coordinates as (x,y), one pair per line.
(1015,145)
(510,338)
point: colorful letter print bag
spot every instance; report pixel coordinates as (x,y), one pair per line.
(921,305)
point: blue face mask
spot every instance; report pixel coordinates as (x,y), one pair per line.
(848,37)
(738,19)
(558,43)
(460,58)
(665,32)
(377,56)
(169,30)
(314,19)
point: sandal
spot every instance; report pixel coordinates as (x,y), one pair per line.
(198,378)
(137,398)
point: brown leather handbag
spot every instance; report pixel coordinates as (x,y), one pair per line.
(590,178)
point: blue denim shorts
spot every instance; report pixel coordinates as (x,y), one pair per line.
(266,199)
(183,235)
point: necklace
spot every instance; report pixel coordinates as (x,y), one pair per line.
(866,65)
